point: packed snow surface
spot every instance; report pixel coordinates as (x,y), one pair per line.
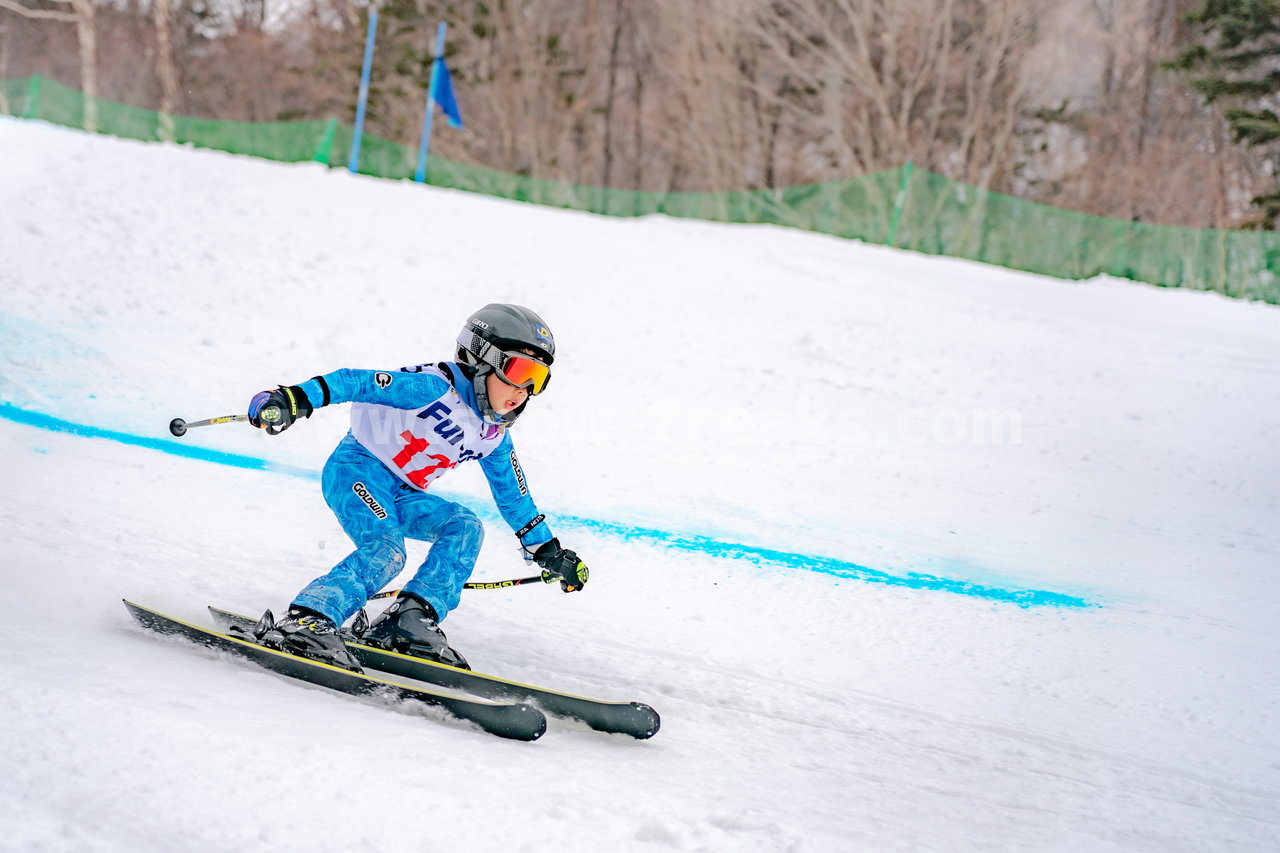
(799,468)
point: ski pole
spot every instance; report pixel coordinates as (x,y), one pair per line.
(391,593)
(179,427)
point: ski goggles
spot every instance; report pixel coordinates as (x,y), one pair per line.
(520,371)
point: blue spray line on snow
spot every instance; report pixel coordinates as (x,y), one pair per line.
(823,565)
(681,541)
(235,460)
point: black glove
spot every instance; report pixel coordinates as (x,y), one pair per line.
(277,410)
(561,564)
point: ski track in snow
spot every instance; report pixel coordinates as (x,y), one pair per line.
(792,391)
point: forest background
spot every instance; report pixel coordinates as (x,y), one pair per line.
(1071,103)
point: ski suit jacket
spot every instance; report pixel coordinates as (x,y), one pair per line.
(422,421)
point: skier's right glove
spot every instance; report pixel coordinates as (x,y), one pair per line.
(276,410)
(561,564)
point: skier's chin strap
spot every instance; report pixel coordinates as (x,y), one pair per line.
(482,397)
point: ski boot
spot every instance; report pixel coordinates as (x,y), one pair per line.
(411,627)
(308,634)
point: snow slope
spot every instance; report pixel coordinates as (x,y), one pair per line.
(807,475)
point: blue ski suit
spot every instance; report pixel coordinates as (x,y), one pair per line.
(408,428)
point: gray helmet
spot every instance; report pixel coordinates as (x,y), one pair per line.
(508,328)
(495,329)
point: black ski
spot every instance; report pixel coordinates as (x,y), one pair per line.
(517,721)
(630,718)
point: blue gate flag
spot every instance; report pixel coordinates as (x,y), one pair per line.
(443,94)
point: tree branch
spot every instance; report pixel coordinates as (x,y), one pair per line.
(38,13)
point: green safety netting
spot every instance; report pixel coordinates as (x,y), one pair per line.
(907,207)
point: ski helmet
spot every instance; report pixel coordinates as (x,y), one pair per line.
(490,336)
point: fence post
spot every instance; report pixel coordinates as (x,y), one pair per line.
(32,107)
(325,148)
(900,202)
(421,175)
(363,97)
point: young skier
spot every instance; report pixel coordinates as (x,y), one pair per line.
(407,429)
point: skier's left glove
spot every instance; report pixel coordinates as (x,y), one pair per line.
(277,410)
(561,564)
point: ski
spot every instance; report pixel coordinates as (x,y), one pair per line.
(630,718)
(518,721)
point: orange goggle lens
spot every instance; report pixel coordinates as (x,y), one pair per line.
(524,372)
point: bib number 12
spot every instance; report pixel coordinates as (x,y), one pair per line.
(414,446)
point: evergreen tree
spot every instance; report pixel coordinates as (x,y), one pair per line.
(1239,58)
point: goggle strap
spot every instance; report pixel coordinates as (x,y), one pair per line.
(484,351)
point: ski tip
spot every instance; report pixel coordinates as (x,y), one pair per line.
(654,721)
(526,723)
(540,729)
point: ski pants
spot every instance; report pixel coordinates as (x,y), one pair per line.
(379,512)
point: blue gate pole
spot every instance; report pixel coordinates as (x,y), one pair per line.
(421,175)
(364,90)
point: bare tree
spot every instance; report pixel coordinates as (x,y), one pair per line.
(706,122)
(83,18)
(87,35)
(1131,142)
(162,14)
(886,82)
(1061,101)
(4,68)
(615,44)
